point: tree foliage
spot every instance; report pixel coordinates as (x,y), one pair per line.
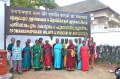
(48,4)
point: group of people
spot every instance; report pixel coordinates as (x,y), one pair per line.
(64,54)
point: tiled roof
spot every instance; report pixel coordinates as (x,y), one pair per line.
(84,6)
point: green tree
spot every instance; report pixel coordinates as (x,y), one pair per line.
(48,4)
(22,3)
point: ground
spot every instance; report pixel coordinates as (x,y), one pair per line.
(100,71)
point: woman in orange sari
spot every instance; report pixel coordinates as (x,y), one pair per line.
(47,55)
(70,65)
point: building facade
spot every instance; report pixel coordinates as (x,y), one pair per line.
(105,22)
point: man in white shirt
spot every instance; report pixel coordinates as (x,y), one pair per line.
(51,40)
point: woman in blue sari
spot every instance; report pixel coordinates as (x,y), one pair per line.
(57,55)
(26,57)
(79,65)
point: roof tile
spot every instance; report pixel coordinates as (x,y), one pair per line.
(84,6)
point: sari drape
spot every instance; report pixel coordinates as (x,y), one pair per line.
(47,55)
(26,58)
(57,55)
(65,53)
(70,65)
(36,56)
(79,65)
(84,57)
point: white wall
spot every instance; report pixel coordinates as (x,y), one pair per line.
(2,24)
(100,13)
(109,38)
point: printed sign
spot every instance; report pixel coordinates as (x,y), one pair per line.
(26,21)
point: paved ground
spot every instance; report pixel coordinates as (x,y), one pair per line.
(100,71)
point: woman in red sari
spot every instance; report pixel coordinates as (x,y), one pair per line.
(47,55)
(70,65)
(84,56)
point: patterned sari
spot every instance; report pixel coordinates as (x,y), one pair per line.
(70,65)
(47,55)
(26,58)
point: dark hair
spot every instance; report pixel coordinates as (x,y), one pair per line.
(75,38)
(36,40)
(50,34)
(66,39)
(62,39)
(83,41)
(40,38)
(26,42)
(92,38)
(89,41)
(18,41)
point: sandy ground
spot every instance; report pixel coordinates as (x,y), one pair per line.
(100,71)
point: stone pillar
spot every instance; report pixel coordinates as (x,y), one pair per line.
(2,20)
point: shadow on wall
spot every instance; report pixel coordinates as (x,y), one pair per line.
(108,54)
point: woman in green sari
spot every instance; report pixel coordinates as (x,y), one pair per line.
(37,56)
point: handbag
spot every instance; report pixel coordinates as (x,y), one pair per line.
(72,53)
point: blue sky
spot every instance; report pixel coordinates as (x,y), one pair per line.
(114,4)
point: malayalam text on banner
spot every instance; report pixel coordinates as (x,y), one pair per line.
(26,21)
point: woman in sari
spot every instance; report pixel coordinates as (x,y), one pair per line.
(79,65)
(57,55)
(84,51)
(26,57)
(37,64)
(47,55)
(70,65)
(65,51)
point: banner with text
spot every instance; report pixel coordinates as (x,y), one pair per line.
(26,21)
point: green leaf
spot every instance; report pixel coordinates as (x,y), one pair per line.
(48,4)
